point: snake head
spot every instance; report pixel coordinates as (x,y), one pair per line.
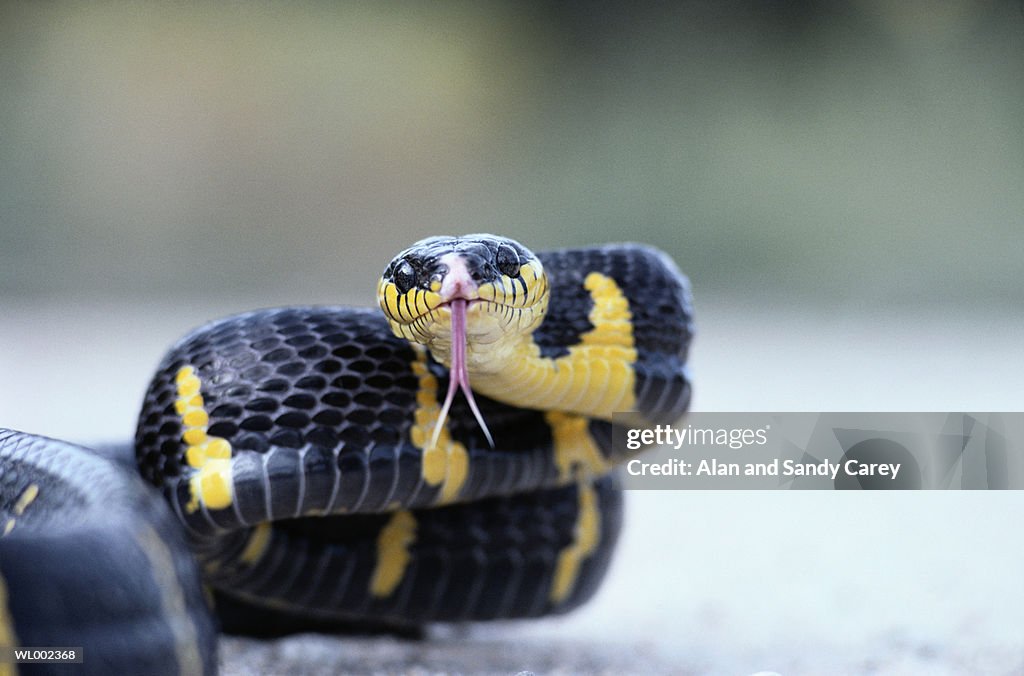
(502,282)
(470,300)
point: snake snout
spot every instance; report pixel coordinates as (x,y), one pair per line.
(457,282)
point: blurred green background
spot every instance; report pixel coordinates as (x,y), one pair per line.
(843,155)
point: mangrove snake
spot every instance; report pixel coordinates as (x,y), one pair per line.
(320,465)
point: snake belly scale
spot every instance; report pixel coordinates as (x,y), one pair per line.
(322,467)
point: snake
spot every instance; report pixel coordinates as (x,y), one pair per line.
(449,457)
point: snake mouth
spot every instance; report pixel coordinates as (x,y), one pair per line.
(486,320)
(470,303)
(458,374)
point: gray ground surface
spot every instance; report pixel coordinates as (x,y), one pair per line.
(704,582)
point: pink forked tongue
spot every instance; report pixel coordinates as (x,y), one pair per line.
(458,376)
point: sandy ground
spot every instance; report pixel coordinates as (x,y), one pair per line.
(704,582)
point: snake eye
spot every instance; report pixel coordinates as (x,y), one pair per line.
(405,277)
(507,261)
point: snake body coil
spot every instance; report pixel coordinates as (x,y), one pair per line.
(312,457)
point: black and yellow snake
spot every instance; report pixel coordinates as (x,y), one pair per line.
(322,465)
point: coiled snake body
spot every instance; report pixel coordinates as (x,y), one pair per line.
(323,466)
